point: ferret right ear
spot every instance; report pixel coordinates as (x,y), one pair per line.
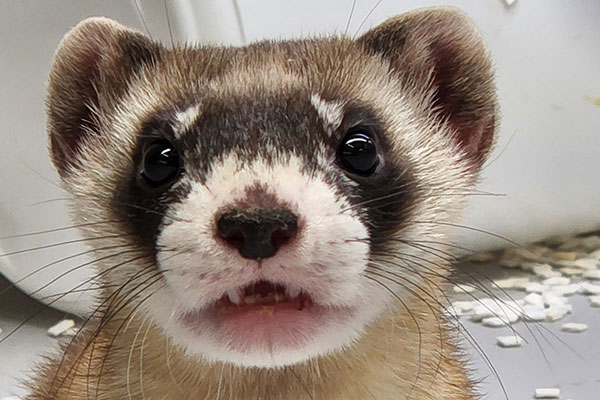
(92,68)
(440,57)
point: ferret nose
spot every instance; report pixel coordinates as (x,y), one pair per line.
(257,233)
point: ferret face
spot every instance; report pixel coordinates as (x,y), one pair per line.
(261,190)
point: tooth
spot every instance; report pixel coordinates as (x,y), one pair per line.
(269,298)
(292,291)
(234,296)
(250,300)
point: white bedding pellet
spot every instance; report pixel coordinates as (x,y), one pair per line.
(589,288)
(512,283)
(592,274)
(493,322)
(547,393)
(546,271)
(556,281)
(552,299)
(568,271)
(509,261)
(533,313)
(463,306)
(481,257)
(573,327)
(594,301)
(61,328)
(590,242)
(555,313)
(585,263)
(536,287)
(565,290)
(564,255)
(534,299)
(463,289)
(509,341)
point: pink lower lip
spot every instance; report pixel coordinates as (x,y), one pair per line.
(282,325)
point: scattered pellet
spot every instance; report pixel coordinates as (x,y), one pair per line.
(536,287)
(592,274)
(589,288)
(566,290)
(551,299)
(464,306)
(590,242)
(547,393)
(573,327)
(594,301)
(493,322)
(546,271)
(556,281)
(555,313)
(482,257)
(463,289)
(512,283)
(564,255)
(508,261)
(586,263)
(568,271)
(61,328)
(509,341)
(534,299)
(533,314)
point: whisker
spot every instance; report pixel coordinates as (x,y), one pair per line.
(350,18)
(169,23)
(141,16)
(412,316)
(366,18)
(61,229)
(67,242)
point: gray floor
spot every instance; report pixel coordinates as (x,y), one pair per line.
(551,358)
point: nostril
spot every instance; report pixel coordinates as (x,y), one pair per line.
(257,233)
(281,236)
(235,238)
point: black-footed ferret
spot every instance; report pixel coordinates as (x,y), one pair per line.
(267,220)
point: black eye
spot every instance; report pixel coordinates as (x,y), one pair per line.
(161,163)
(358,154)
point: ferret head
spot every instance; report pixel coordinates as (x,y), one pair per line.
(246,199)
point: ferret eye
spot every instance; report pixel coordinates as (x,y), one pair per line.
(161,163)
(358,154)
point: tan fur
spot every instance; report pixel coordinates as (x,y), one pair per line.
(383,365)
(408,353)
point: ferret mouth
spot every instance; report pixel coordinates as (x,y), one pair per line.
(264,316)
(264,294)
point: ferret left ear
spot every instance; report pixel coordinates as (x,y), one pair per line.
(93,66)
(439,51)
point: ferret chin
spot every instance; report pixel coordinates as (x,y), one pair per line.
(268,220)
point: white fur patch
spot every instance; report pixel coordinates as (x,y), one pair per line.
(187,118)
(325,258)
(331,113)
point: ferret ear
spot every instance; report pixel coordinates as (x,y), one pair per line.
(439,51)
(92,67)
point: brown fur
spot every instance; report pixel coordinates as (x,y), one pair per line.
(106,80)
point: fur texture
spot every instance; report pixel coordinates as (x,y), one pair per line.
(259,126)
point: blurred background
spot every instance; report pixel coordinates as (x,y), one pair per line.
(542,179)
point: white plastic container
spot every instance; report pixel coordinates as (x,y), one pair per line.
(546,55)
